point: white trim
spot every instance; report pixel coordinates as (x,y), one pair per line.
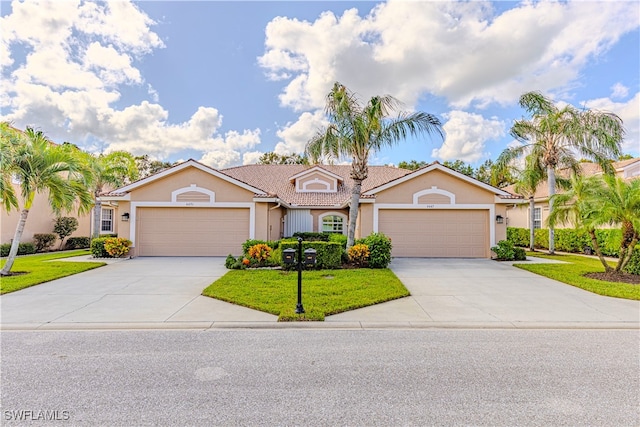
(345,222)
(439,167)
(327,185)
(490,207)
(316,169)
(185,165)
(135,205)
(434,190)
(193,187)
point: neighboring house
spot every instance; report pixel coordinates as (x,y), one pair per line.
(518,212)
(40,221)
(194,210)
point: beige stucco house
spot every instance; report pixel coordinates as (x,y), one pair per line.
(194,210)
(518,210)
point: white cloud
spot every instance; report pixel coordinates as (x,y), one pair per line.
(251,157)
(77,56)
(463,51)
(294,136)
(467,134)
(629,112)
(619,91)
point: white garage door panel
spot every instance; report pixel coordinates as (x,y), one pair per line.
(191,231)
(436,233)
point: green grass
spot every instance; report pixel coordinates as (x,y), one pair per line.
(572,274)
(40,268)
(324,292)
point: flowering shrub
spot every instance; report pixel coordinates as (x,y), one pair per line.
(260,252)
(117,246)
(359,254)
(245,262)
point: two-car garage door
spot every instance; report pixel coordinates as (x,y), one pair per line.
(436,233)
(179,231)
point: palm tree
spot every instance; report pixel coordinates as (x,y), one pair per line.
(10,138)
(528,181)
(356,130)
(555,136)
(109,170)
(42,167)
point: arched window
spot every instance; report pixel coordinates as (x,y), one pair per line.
(332,223)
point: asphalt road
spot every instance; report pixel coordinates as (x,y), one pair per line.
(322,377)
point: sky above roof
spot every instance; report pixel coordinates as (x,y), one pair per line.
(223,82)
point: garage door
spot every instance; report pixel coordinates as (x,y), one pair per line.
(436,233)
(191,231)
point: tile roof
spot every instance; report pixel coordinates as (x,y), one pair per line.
(275,180)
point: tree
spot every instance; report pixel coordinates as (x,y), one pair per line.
(527,182)
(555,135)
(460,166)
(113,170)
(273,158)
(596,201)
(147,167)
(65,226)
(41,167)
(412,165)
(356,130)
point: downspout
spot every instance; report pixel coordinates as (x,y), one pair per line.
(269,219)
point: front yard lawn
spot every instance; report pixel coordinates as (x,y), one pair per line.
(573,272)
(40,268)
(324,292)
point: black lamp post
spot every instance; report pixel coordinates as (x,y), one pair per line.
(309,259)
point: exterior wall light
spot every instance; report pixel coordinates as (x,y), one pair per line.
(499,219)
(125,216)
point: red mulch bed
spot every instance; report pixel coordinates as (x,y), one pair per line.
(632,279)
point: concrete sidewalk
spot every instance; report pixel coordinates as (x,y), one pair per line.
(164,293)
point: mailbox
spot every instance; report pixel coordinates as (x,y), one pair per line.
(310,257)
(289,256)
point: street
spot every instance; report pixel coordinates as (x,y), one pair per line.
(321,377)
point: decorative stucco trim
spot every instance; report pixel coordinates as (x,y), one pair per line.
(434,190)
(491,208)
(327,184)
(193,187)
(135,205)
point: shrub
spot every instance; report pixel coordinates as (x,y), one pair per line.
(78,242)
(633,266)
(230,261)
(505,251)
(25,248)
(379,249)
(328,254)
(359,254)
(44,241)
(65,226)
(310,236)
(518,236)
(259,252)
(117,246)
(97,248)
(338,238)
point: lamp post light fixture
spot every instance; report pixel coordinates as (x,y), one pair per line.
(289,257)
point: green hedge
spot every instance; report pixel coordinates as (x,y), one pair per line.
(25,248)
(568,239)
(312,236)
(329,254)
(633,266)
(44,241)
(78,243)
(97,248)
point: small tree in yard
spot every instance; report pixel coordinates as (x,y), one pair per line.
(64,227)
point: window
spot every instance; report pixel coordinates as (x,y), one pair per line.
(537,218)
(333,224)
(106,224)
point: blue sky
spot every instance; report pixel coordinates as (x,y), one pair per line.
(223,82)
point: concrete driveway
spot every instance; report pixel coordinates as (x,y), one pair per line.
(165,293)
(486,293)
(140,292)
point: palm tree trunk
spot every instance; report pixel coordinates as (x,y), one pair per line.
(532,218)
(353,211)
(551,173)
(97,212)
(624,258)
(596,247)
(14,244)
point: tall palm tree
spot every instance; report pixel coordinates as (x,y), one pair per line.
(43,167)
(356,130)
(10,138)
(527,182)
(554,136)
(109,170)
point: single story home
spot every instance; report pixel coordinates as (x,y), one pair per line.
(518,211)
(194,210)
